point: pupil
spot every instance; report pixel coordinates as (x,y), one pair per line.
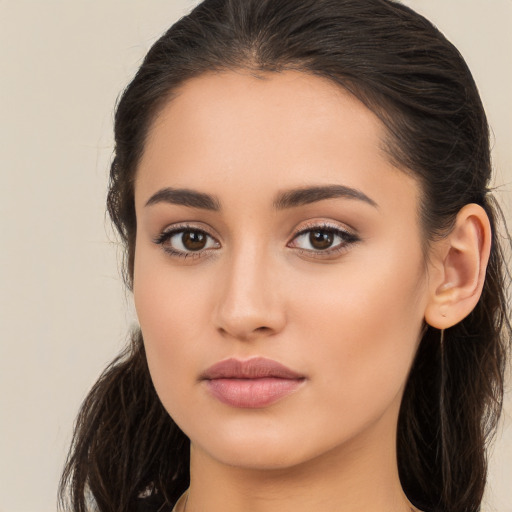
(321,239)
(193,240)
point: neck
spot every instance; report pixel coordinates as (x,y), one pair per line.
(360,476)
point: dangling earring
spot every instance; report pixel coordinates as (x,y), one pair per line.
(442,411)
(443,369)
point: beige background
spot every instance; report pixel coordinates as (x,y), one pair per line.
(64,313)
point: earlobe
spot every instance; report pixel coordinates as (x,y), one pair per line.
(457,272)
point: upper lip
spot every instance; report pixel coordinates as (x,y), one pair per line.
(255,368)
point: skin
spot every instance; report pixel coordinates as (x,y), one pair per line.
(350,322)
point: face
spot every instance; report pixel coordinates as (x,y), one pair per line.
(273,231)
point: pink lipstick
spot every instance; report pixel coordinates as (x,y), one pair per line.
(253,383)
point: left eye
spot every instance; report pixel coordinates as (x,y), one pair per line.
(323,239)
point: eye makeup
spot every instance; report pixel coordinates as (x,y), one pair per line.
(316,239)
(186,241)
(324,240)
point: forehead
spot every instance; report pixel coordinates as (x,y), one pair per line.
(270,109)
(258,134)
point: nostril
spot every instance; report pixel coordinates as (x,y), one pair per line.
(245,334)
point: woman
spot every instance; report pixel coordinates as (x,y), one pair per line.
(302,189)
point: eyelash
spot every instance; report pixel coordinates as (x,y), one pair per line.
(167,234)
(347,239)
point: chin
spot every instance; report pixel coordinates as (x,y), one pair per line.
(257,456)
(266,447)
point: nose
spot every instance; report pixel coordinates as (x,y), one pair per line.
(249,304)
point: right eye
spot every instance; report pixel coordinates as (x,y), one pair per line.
(183,242)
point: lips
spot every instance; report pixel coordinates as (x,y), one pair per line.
(254,383)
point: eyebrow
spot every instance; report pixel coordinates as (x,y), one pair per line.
(284,200)
(185,197)
(308,195)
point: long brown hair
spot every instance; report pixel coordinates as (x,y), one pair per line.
(402,68)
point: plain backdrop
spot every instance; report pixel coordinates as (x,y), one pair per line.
(64,312)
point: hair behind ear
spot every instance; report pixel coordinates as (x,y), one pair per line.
(447,420)
(125,442)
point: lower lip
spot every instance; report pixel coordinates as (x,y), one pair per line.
(252,393)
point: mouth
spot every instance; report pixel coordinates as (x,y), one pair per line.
(254,383)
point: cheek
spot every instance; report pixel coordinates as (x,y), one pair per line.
(171,303)
(171,309)
(363,329)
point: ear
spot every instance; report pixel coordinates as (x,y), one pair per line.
(457,268)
